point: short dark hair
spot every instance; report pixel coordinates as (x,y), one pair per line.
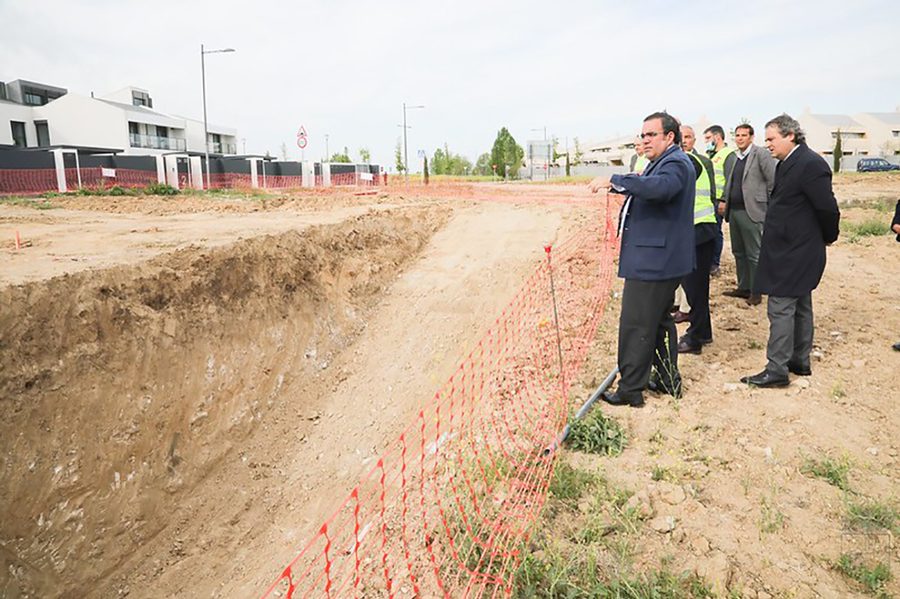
(746,126)
(786,125)
(669,124)
(715,130)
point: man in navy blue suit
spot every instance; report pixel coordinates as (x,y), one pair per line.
(656,227)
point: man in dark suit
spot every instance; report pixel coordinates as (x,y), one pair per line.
(657,235)
(802,218)
(895,227)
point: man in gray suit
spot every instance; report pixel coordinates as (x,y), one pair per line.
(743,205)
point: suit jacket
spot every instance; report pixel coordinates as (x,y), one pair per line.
(802,218)
(757,184)
(658,233)
(896,220)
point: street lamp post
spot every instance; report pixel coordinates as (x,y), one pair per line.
(405,151)
(326,149)
(203,53)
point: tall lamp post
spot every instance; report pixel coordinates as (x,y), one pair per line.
(405,152)
(203,53)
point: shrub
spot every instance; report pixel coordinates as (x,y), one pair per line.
(160,189)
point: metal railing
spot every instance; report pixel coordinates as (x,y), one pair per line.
(222,148)
(156,142)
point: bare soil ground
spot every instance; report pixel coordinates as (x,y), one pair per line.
(190,385)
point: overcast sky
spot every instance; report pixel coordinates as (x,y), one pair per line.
(591,69)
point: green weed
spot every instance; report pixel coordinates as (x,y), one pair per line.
(834,471)
(597,433)
(873,578)
(42,204)
(868,514)
(872,226)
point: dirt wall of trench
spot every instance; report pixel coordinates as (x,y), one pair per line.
(121,389)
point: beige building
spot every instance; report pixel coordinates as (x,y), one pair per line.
(865,134)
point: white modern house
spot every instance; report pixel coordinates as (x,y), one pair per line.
(37,115)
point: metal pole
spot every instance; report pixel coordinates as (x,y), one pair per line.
(562,375)
(205,122)
(326,148)
(405,152)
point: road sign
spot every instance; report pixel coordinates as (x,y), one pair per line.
(421,153)
(301,138)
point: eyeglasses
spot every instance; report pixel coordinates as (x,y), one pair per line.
(651,134)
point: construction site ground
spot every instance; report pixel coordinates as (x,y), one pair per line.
(190,384)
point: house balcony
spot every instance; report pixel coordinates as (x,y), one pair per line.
(222,148)
(154,142)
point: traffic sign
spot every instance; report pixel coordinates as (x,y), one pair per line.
(301,137)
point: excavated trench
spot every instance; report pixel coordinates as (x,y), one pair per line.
(122,389)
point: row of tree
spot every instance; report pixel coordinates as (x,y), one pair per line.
(504,159)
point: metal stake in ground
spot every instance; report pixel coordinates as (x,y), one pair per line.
(562,375)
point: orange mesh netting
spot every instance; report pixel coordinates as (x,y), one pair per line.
(450,505)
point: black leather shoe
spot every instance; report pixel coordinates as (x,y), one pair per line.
(755,299)
(686,348)
(741,293)
(798,369)
(681,317)
(765,380)
(706,341)
(614,399)
(896,346)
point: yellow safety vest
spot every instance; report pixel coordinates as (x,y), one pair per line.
(640,164)
(704,211)
(718,161)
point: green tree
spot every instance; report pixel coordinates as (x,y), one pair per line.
(398,156)
(506,154)
(578,153)
(445,162)
(365,155)
(338,157)
(838,152)
(425,169)
(483,165)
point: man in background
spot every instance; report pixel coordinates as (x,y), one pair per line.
(750,181)
(802,219)
(696,284)
(638,160)
(723,160)
(657,237)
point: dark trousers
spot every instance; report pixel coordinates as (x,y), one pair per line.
(720,243)
(790,332)
(647,337)
(696,286)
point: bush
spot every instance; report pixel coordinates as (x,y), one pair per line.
(160,189)
(116,191)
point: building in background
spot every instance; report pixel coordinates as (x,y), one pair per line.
(34,115)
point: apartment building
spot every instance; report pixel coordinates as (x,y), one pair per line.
(864,134)
(34,115)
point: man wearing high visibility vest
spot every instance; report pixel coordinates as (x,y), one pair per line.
(638,161)
(696,284)
(723,161)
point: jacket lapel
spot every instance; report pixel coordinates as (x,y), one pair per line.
(752,161)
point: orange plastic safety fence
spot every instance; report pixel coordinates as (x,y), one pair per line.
(448,508)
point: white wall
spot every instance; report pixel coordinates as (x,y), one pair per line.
(16,112)
(81,121)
